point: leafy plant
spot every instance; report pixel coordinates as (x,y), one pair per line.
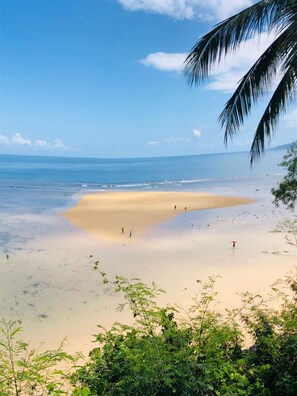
(286,191)
(165,353)
(289,228)
(26,372)
(168,351)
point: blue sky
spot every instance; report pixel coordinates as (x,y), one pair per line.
(102,78)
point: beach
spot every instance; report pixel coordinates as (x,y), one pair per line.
(49,282)
(113,216)
(57,221)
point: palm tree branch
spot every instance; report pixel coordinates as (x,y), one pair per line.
(228,35)
(255,83)
(282,96)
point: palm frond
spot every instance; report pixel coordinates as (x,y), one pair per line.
(256,82)
(227,36)
(284,94)
(279,60)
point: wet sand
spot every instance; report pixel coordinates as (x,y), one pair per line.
(49,282)
(115,215)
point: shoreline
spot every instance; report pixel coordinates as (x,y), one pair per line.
(49,282)
(116,216)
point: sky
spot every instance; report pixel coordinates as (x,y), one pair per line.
(104,78)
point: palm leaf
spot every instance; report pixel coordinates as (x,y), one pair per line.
(256,82)
(228,35)
(282,96)
(280,59)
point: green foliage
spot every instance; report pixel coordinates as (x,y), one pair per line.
(168,351)
(286,191)
(273,355)
(289,228)
(26,372)
(164,353)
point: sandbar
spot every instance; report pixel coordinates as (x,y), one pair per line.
(115,216)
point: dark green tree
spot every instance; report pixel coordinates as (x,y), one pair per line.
(166,353)
(278,61)
(286,191)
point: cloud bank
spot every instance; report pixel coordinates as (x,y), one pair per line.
(18,140)
(225,74)
(196,135)
(188,9)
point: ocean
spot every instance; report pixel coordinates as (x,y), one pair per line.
(30,184)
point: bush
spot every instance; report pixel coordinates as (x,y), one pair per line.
(26,372)
(202,355)
(162,353)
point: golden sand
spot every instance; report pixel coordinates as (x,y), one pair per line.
(105,214)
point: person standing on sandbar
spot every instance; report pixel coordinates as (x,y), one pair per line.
(130,234)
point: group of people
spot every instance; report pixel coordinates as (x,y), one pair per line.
(130,233)
(185,209)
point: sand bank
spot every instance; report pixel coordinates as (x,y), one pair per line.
(114,215)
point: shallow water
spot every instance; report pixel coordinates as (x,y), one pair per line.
(33,188)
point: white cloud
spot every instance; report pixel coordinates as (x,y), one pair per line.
(41,143)
(172,140)
(57,144)
(60,145)
(175,139)
(168,140)
(182,9)
(4,140)
(188,9)
(225,74)
(220,9)
(196,133)
(18,139)
(165,61)
(291,119)
(153,143)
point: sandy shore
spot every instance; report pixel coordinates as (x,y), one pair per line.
(115,216)
(49,282)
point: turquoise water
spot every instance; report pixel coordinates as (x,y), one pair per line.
(38,184)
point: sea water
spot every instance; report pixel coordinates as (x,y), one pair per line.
(33,188)
(37,184)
